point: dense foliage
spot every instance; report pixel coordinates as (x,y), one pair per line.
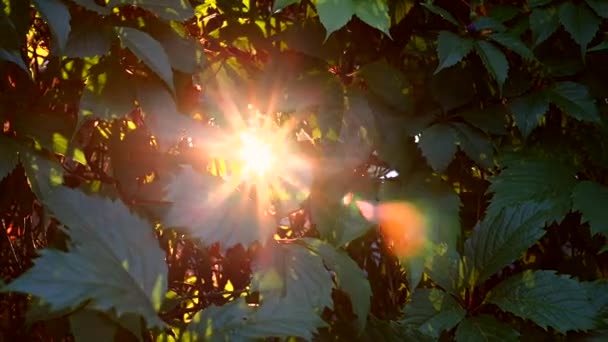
(442,170)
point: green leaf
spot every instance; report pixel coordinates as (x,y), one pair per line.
(374,13)
(295,274)
(183,52)
(574,99)
(10,159)
(547,299)
(503,13)
(513,43)
(494,60)
(437,145)
(500,239)
(108,95)
(175,10)
(451,49)
(488,23)
(89,37)
(590,198)
(114,261)
(42,174)
(215,211)
(237,321)
(91,5)
(533,179)
(280,4)
(528,110)
(57,15)
(538,3)
(443,90)
(599,6)
(543,23)
(475,144)
(334,14)
(580,22)
(91,325)
(349,277)
(388,83)
(599,47)
(15,58)
(433,311)
(485,328)
(150,51)
(442,13)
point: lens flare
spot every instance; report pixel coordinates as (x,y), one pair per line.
(256,155)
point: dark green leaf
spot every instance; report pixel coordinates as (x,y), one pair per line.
(8,151)
(528,109)
(533,179)
(451,49)
(13,57)
(89,37)
(547,299)
(450,97)
(438,145)
(293,273)
(488,23)
(215,212)
(491,119)
(580,22)
(599,6)
(237,321)
(115,260)
(599,47)
(280,4)
(108,95)
(494,60)
(91,325)
(93,6)
(475,144)
(513,43)
(538,3)
(374,13)
(335,14)
(485,328)
(349,277)
(57,15)
(504,13)
(441,12)
(543,23)
(590,198)
(150,51)
(433,311)
(388,83)
(574,100)
(184,52)
(499,240)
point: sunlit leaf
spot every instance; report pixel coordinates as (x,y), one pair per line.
(150,51)
(114,261)
(548,299)
(177,10)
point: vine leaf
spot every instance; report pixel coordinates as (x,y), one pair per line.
(374,13)
(107,95)
(239,321)
(499,240)
(349,277)
(528,110)
(543,23)
(280,4)
(547,299)
(513,43)
(485,328)
(57,15)
(150,51)
(580,22)
(15,58)
(589,198)
(114,261)
(538,3)
(599,6)
(494,61)
(388,83)
(437,145)
(89,38)
(10,159)
(574,99)
(335,14)
(201,204)
(451,49)
(166,9)
(433,311)
(93,6)
(441,12)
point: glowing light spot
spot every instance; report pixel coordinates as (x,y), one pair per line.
(401,224)
(256,155)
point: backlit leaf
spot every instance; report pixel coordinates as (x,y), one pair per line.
(590,198)
(114,261)
(176,10)
(374,13)
(548,299)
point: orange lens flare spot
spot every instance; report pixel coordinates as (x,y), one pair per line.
(255,154)
(402,225)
